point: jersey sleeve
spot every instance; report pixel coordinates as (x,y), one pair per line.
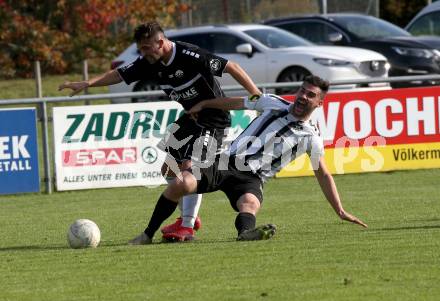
(212,63)
(265,102)
(133,71)
(316,151)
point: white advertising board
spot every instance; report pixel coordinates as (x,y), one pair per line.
(115,145)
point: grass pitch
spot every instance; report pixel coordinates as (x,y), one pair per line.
(314,256)
(26,88)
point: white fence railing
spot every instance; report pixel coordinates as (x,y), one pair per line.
(43,101)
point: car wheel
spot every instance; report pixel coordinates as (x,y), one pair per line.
(292,74)
(147,86)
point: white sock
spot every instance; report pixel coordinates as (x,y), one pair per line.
(191,205)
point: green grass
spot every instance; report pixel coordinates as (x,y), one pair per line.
(26,88)
(314,256)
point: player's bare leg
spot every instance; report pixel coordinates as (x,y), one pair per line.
(183,184)
(183,228)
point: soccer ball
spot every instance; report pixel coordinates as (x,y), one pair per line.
(83,233)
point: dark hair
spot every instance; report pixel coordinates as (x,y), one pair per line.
(146,31)
(318,82)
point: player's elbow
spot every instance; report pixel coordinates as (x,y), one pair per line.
(115,76)
(232,67)
(323,175)
(327,177)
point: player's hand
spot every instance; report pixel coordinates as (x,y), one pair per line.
(75,86)
(351,218)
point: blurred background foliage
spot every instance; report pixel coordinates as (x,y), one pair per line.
(62,33)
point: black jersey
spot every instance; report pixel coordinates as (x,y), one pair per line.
(188,78)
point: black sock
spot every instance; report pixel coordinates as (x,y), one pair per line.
(245,221)
(163,210)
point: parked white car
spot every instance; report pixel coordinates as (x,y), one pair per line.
(270,55)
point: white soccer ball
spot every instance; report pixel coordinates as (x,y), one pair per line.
(83,233)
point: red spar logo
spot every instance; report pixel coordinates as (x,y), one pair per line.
(100,156)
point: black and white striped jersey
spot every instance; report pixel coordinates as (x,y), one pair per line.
(187,78)
(275,138)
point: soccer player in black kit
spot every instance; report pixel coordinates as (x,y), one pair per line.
(186,74)
(280,134)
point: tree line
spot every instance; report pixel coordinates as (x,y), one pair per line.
(60,34)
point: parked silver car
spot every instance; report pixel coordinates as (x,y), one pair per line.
(270,55)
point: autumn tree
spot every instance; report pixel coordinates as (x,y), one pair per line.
(400,12)
(62,33)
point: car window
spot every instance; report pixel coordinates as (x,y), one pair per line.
(369,27)
(317,32)
(428,24)
(277,38)
(203,40)
(225,43)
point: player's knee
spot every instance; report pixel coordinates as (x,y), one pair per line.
(189,183)
(248,203)
(186,183)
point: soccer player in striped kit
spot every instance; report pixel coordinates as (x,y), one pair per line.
(278,136)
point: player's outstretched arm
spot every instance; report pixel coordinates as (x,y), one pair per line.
(223,103)
(328,187)
(109,78)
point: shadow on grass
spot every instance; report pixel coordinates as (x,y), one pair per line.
(426,220)
(181,243)
(201,241)
(57,247)
(32,248)
(407,228)
(112,244)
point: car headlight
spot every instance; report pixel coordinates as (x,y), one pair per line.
(331,62)
(417,52)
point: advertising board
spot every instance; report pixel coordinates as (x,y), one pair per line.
(116,145)
(377,131)
(18,151)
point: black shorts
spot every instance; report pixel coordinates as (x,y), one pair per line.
(232,182)
(186,140)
